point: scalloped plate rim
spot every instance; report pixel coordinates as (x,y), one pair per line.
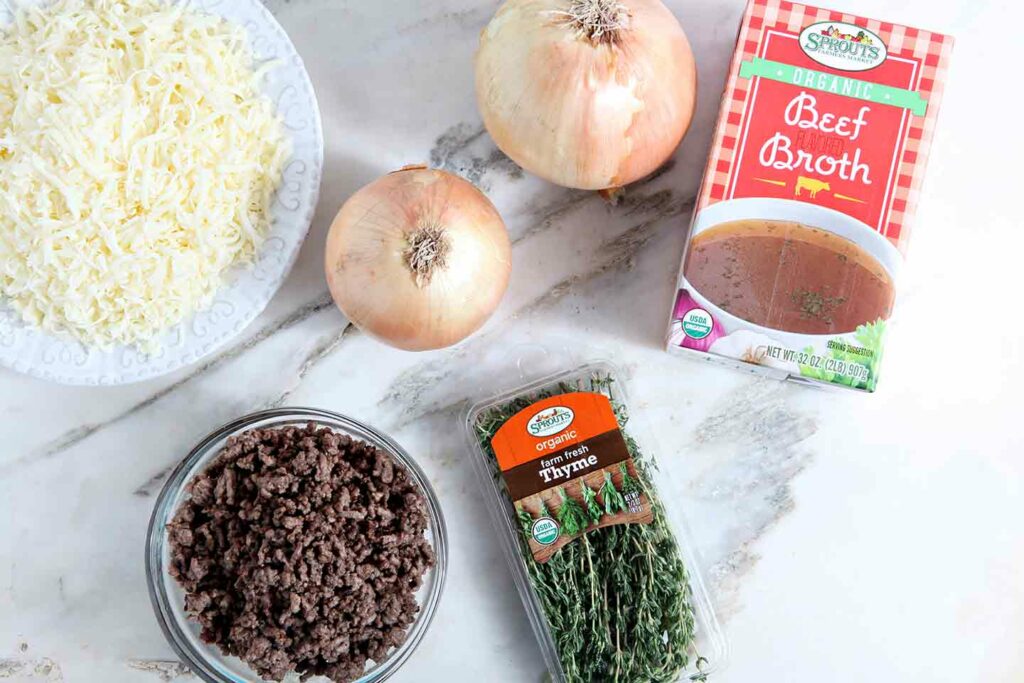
(246,295)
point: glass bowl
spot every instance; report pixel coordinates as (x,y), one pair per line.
(168,599)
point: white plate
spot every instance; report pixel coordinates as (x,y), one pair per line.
(248,289)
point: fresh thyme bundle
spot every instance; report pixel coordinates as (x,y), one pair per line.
(616,598)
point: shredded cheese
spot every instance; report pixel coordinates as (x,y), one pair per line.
(138,162)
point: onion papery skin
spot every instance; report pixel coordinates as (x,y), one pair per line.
(579,113)
(367,270)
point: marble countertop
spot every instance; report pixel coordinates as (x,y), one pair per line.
(845,537)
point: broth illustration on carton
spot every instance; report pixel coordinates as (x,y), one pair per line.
(804,214)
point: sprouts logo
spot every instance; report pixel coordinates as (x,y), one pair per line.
(550,421)
(846,47)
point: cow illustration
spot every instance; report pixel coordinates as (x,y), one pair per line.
(812,185)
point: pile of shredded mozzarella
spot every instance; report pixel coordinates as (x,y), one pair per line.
(138,161)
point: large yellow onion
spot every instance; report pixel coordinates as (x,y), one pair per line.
(591,94)
(419,259)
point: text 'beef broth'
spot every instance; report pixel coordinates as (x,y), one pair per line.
(789,276)
(813,178)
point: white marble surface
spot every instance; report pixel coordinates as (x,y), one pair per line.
(847,537)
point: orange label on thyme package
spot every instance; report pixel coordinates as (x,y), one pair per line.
(568,469)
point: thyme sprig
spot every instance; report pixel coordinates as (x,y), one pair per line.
(590,503)
(629,483)
(617,599)
(571,515)
(613,500)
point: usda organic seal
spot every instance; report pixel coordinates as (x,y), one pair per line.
(545,531)
(698,323)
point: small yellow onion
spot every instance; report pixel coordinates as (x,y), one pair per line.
(590,94)
(419,259)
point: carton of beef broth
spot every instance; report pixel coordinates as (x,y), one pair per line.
(804,214)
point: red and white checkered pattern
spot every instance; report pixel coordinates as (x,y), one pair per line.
(931,50)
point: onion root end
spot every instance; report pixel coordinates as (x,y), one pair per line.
(426,252)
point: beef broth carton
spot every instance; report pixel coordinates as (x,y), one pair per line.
(803,218)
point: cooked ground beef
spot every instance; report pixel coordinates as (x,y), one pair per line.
(301,549)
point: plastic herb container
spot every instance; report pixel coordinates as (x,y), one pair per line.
(601,560)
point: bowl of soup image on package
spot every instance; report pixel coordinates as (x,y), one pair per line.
(775,273)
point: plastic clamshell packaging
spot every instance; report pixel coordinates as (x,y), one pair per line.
(709,644)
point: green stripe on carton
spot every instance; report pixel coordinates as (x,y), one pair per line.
(872,92)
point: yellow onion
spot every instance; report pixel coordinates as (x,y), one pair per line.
(591,94)
(419,259)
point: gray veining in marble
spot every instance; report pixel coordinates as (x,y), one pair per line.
(826,523)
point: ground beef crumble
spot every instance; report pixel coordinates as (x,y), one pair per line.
(301,549)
